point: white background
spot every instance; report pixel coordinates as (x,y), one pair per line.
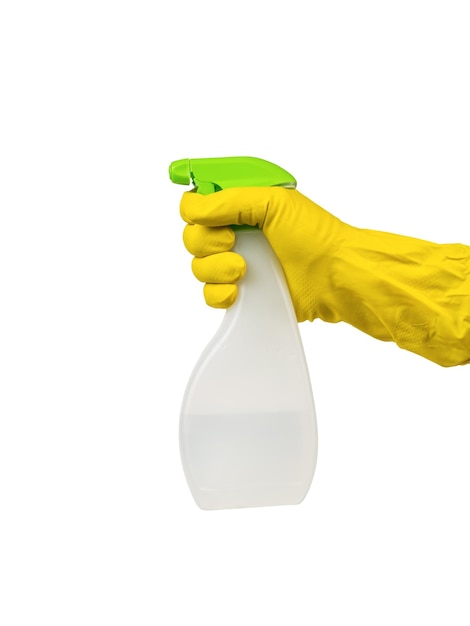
(101,321)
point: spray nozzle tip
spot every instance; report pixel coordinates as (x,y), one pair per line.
(180,172)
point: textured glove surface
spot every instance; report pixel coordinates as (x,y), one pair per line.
(394,288)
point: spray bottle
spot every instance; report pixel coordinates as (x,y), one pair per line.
(248,434)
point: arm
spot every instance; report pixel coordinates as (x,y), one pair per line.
(394,288)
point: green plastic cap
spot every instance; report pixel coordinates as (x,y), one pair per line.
(214,174)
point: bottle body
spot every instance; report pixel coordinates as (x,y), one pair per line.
(248,433)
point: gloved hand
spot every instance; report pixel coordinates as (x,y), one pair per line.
(394,288)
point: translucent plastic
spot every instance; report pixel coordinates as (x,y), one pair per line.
(248,433)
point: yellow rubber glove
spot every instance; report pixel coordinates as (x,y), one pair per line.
(394,288)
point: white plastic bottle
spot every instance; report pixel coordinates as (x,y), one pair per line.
(248,433)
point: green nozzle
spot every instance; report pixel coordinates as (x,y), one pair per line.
(180,172)
(209,175)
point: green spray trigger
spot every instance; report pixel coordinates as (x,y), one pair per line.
(214,174)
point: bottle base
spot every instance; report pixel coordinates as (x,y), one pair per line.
(248,460)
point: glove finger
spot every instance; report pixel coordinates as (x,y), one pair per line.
(241,205)
(226,267)
(201,240)
(220,296)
